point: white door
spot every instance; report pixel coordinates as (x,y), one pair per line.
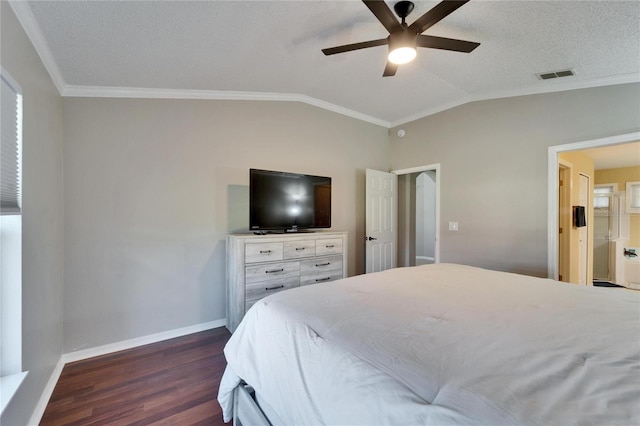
(583,234)
(381,220)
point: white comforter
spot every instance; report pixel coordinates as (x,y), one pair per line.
(442,344)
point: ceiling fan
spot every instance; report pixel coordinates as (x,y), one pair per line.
(403,39)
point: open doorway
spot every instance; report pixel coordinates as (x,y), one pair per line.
(418,215)
(425,214)
(555,256)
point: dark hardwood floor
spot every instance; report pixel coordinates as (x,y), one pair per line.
(174,382)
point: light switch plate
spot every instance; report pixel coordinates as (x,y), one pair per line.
(453,226)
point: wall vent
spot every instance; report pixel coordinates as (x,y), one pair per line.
(555,74)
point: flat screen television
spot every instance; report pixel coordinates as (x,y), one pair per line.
(288,202)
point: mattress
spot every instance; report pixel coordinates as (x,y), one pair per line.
(441,344)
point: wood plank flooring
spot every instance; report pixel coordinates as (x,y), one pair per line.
(174,382)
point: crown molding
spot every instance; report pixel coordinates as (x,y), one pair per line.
(29,24)
(431,111)
(559,85)
(32,29)
(551,86)
(150,93)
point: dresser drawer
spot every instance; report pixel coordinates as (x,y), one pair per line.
(328,246)
(256,291)
(260,265)
(320,277)
(262,252)
(270,271)
(298,249)
(329,263)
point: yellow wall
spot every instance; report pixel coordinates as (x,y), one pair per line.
(580,164)
(621,176)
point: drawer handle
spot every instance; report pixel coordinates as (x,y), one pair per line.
(300,248)
(274,288)
(323,264)
(331,246)
(265,251)
(273,271)
(323,279)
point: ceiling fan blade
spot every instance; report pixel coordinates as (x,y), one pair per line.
(354,46)
(446,43)
(435,15)
(386,17)
(390,69)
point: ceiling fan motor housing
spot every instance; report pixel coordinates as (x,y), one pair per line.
(404,38)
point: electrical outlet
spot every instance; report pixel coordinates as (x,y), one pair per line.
(453,226)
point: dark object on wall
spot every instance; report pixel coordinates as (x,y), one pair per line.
(288,202)
(579,218)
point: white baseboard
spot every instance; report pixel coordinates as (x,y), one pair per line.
(426,258)
(140,341)
(106,349)
(36,416)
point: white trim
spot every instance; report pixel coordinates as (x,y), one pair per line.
(10,81)
(25,16)
(432,111)
(140,341)
(152,93)
(436,168)
(552,189)
(9,386)
(613,186)
(550,86)
(41,406)
(110,348)
(629,197)
(30,25)
(426,258)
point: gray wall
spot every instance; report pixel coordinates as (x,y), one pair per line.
(493,157)
(42,219)
(153,186)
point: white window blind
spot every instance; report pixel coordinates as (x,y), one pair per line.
(633,197)
(10,146)
(11,374)
(602,196)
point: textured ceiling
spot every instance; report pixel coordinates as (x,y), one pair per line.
(248,48)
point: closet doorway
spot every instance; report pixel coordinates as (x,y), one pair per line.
(418,215)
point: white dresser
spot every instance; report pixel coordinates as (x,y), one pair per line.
(259,265)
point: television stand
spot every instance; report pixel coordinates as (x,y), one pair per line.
(258,265)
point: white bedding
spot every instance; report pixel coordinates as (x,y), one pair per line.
(442,344)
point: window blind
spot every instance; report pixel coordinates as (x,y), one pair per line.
(10,111)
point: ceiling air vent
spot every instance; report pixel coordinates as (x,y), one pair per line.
(555,74)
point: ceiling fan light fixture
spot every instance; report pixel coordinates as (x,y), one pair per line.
(402,55)
(402,47)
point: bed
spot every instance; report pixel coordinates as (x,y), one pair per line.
(440,344)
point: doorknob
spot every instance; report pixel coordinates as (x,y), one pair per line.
(369,238)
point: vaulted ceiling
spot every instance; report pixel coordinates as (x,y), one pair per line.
(272,50)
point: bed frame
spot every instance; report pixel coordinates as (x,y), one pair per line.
(246,410)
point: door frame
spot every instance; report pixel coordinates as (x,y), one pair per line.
(564,221)
(435,168)
(585,251)
(552,189)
